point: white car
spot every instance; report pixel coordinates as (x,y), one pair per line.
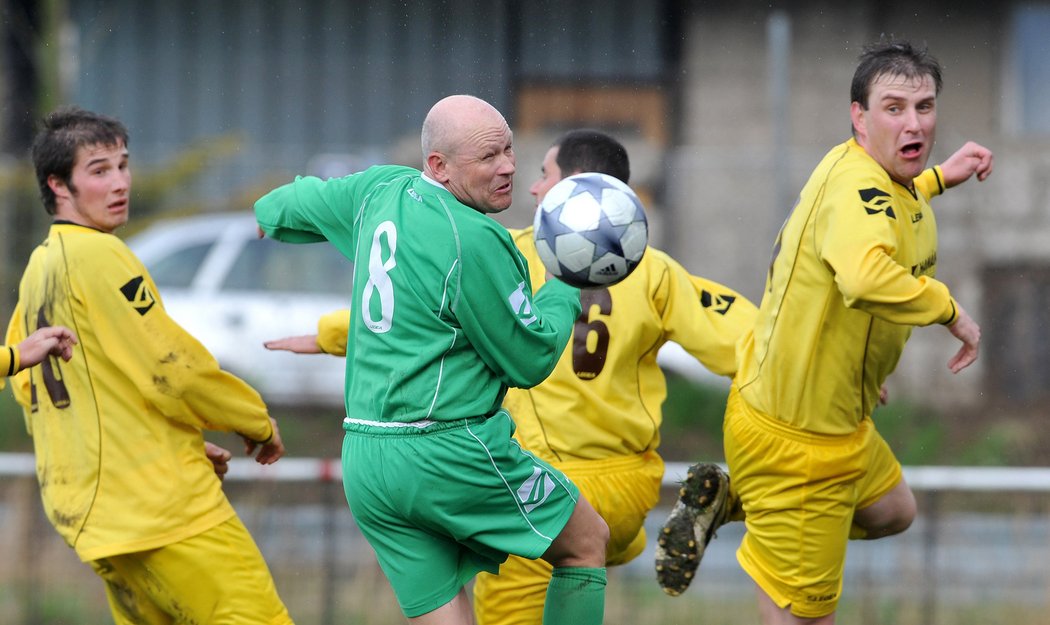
(232,291)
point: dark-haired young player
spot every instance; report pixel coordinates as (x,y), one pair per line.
(852,274)
(125,475)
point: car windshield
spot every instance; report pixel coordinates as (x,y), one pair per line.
(265,265)
(180,267)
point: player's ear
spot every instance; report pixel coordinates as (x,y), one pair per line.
(856,115)
(57,186)
(437,165)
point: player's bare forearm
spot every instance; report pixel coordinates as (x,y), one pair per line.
(966,330)
(972,158)
(305,344)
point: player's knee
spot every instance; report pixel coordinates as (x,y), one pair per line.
(602,535)
(583,542)
(592,539)
(592,549)
(891,517)
(905,511)
(903,519)
(596,542)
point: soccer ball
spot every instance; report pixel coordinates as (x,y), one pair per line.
(590,230)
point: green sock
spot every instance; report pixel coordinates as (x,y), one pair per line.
(575,596)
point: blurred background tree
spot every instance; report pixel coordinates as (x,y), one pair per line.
(34,79)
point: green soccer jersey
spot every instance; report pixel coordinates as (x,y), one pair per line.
(443,318)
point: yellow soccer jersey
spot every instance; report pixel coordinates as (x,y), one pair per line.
(852,272)
(604,397)
(332,330)
(8,362)
(117,429)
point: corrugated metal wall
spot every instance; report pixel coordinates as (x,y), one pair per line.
(295,79)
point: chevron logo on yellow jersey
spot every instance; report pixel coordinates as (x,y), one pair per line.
(877,201)
(137,292)
(720,303)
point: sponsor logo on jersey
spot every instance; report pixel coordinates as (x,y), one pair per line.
(720,303)
(925,266)
(877,201)
(522,305)
(137,292)
(535,490)
(822,598)
(414,195)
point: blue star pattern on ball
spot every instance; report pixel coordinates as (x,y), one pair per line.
(590,230)
(606,237)
(594,185)
(553,227)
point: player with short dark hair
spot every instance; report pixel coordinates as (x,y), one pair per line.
(443,319)
(852,273)
(125,475)
(587,149)
(598,416)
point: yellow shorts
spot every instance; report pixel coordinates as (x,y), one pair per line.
(216,577)
(622,490)
(799,491)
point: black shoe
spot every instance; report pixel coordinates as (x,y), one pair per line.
(700,510)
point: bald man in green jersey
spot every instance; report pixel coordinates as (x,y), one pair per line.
(597,417)
(443,320)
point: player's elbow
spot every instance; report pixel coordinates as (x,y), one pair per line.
(856,288)
(526,379)
(529,374)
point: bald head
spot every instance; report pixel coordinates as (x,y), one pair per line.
(467,149)
(453,119)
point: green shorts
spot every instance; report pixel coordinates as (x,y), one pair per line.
(439,504)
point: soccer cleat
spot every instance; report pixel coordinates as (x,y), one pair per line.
(700,510)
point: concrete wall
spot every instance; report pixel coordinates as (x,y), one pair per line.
(735,173)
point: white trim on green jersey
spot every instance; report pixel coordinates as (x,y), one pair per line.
(463,325)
